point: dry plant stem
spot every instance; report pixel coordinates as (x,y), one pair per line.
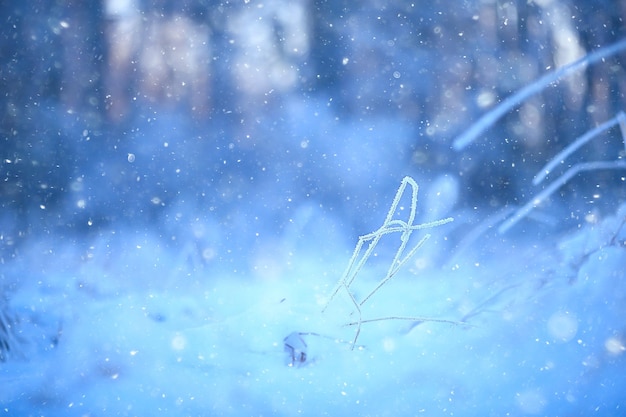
(489,119)
(358,260)
(412,318)
(555,185)
(486,121)
(619,119)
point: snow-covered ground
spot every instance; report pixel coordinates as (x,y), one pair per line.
(179,206)
(120,324)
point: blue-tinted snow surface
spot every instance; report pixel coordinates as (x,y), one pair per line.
(171,211)
(122,324)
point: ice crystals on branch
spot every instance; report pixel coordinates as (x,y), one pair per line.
(366,246)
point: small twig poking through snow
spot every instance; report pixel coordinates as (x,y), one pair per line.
(360,256)
(296,347)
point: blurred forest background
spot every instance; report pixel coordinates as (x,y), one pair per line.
(123,111)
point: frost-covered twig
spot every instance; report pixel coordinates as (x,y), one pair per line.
(358,259)
(486,121)
(619,120)
(555,185)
